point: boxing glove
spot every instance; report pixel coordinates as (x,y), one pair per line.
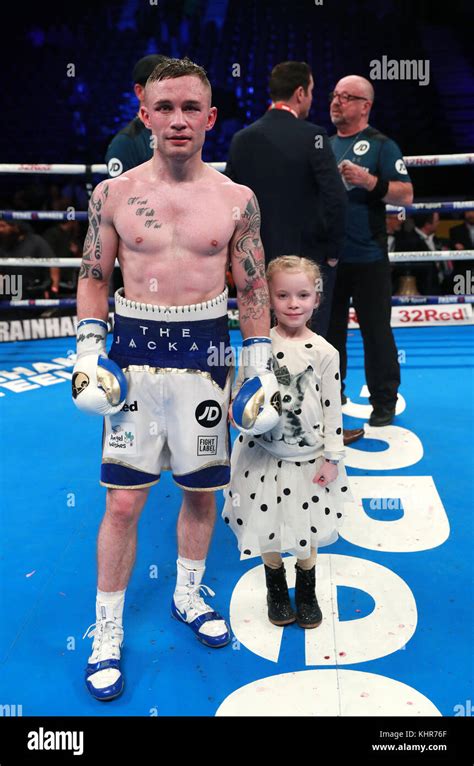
(256,408)
(99,386)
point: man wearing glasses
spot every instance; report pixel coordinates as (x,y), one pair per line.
(373,172)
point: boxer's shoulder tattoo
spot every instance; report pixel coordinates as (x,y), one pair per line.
(147,213)
(248,250)
(92,251)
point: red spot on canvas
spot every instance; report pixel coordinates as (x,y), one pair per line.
(327,658)
(364,694)
(342,654)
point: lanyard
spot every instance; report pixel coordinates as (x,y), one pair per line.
(339,159)
(282,105)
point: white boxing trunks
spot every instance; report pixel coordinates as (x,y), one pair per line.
(179,367)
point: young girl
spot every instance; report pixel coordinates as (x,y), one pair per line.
(288,487)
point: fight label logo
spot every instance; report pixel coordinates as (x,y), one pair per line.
(207,445)
(208,413)
(122,438)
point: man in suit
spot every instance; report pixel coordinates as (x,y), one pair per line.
(393,225)
(432,274)
(289,164)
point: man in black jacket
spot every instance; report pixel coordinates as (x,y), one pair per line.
(289,164)
(430,275)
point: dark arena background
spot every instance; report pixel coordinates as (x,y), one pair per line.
(392,662)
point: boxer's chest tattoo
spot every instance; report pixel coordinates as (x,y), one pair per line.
(143,211)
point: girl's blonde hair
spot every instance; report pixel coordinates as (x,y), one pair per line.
(297,263)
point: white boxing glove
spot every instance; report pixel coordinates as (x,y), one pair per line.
(256,408)
(99,386)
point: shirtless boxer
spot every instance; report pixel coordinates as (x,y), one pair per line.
(174,223)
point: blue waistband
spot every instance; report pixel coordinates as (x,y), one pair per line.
(197,345)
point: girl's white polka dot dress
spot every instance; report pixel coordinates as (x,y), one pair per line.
(272,503)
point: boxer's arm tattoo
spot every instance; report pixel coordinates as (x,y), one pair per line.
(92,252)
(248,252)
(148,213)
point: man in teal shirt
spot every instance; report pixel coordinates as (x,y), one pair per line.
(132,145)
(374,173)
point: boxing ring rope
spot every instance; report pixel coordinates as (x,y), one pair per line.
(81,215)
(423,160)
(397,300)
(395,257)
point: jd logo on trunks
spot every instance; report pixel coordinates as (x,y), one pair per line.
(133,407)
(208,413)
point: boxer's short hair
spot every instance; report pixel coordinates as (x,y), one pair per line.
(172,68)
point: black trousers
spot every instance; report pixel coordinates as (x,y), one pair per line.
(369,285)
(321,317)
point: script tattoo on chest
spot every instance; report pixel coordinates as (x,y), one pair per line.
(147,213)
(92,251)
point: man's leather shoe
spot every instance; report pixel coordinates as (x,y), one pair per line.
(352,435)
(382,416)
